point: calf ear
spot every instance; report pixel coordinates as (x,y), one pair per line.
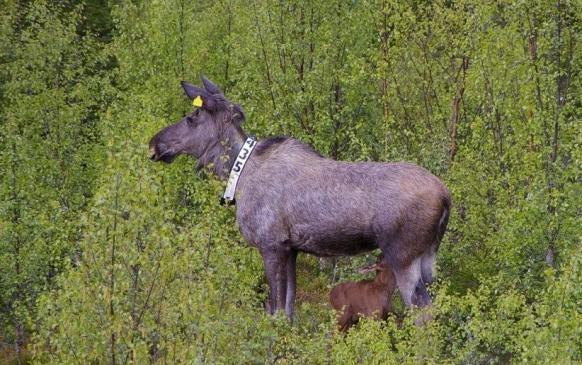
(367,269)
(380,258)
(210,86)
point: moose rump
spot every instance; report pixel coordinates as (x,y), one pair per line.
(290,199)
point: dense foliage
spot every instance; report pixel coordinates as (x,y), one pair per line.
(106,257)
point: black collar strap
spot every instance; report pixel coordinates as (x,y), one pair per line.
(243,156)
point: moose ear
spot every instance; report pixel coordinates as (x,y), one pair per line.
(191,90)
(200,97)
(210,86)
(238,115)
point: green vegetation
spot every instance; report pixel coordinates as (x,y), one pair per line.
(106,257)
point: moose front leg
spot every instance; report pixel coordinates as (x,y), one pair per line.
(276,270)
(291,284)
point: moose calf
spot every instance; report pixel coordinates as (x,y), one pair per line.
(365,297)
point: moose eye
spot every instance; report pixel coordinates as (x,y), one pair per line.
(191,119)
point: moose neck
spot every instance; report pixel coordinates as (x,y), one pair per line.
(234,139)
(223,153)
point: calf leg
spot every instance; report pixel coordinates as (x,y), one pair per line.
(276,270)
(346,319)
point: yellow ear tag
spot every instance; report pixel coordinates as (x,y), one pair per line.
(197,102)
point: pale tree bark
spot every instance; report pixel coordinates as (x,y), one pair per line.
(456,106)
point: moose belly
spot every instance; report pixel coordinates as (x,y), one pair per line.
(329,248)
(331,242)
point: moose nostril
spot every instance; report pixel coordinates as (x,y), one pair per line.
(152,153)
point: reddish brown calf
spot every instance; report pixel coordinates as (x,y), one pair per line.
(370,298)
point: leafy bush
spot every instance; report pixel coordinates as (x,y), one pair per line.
(106,257)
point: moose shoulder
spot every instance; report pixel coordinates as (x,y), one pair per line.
(290,199)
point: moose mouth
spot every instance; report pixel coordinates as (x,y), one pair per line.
(166,157)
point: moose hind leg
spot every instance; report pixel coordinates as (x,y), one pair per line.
(421,297)
(427,265)
(407,279)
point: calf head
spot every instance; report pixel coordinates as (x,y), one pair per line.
(384,274)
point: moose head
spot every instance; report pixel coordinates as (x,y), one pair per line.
(211,133)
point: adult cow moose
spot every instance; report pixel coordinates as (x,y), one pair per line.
(291,199)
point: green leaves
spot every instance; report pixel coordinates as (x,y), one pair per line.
(107,257)
(47,153)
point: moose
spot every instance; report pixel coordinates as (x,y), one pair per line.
(365,297)
(291,199)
